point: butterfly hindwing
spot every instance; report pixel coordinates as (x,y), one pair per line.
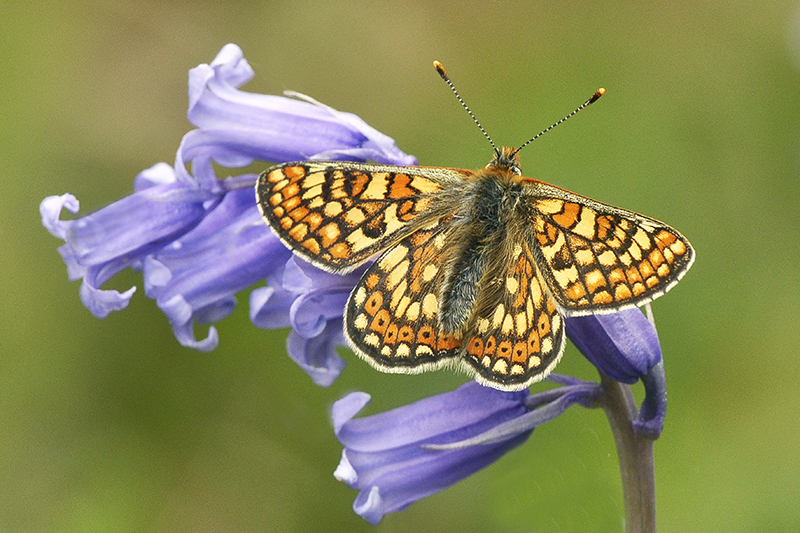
(516,335)
(391,318)
(597,258)
(338,215)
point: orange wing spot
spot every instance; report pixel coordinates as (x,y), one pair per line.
(374,303)
(544,325)
(311,245)
(359,182)
(372,281)
(542,238)
(602,297)
(381,321)
(447,342)
(390,337)
(575,291)
(522,295)
(399,187)
(652,281)
(569,216)
(633,275)
(427,336)
(330,233)
(656,257)
(520,353)
(291,203)
(291,190)
(616,276)
(405,334)
(294,172)
(552,233)
(491,345)
(287,223)
(340,250)
(622,293)
(314,220)
(504,350)
(405,211)
(638,289)
(298,232)
(299,213)
(276,198)
(665,238)
(603,225)
(475,347)
(533,342)
(278,212)
(663,270)
(646,269)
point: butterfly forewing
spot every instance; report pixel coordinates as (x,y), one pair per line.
(598,258)
(338,215)
(392,316)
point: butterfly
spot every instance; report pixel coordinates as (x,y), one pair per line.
(477,269)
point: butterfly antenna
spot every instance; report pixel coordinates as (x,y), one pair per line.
(596,96)
(443,73)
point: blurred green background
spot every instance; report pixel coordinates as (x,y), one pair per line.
(110,425)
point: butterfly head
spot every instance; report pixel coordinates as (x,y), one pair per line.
(506,159)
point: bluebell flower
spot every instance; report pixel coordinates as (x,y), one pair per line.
(400,456)
(624,346)
(199,239)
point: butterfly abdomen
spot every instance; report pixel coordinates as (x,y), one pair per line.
(489,202)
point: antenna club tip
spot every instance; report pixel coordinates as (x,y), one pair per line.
(597,94)
(440,69)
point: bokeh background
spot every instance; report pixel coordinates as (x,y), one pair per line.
(110,425)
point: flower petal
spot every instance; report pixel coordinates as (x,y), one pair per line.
(623,345)
(317,355)
(650,422)
(50,209)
